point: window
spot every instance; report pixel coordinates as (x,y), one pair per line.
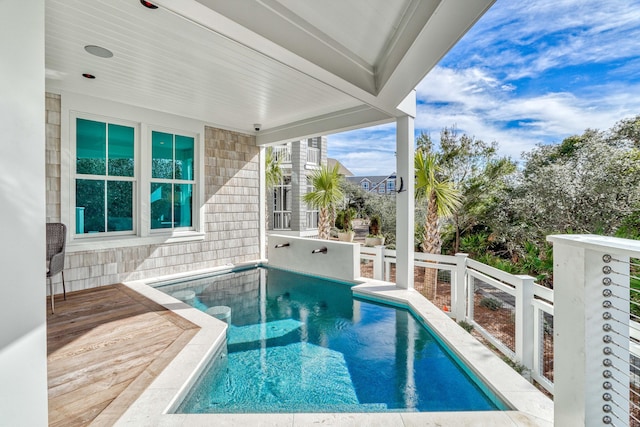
(172,180)
(282,204)
(125,183)
(104,177)
(381,188)
(391,186)
(365,185)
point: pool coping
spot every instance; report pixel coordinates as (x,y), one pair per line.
(530,406)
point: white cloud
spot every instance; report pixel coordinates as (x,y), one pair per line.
(507,80)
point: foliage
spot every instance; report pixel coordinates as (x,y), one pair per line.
(491,303)
(374,225)
(326,195)
(466,326)
(273,174)
(586,184)
(344,219)
(518,367)
(441,197)
(373,204)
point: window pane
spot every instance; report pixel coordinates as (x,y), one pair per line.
(162,155)
(161,203)
(91,147)
(120,150)
(89,206)
(182,204)
(184,157)
(119,206)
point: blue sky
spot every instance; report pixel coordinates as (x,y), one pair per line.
(526,73)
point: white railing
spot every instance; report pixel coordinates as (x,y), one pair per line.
(593,368)
(282,153)
(459,286)
(313,156)
(281,220)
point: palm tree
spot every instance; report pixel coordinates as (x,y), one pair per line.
(325,196)
(273,171)
(273,175)
(442,199)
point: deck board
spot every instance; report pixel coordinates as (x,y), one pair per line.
(104,347)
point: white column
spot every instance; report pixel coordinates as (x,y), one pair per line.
(262,214)
(404,201)
(23,345)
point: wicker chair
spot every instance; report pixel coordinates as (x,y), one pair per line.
(56,241)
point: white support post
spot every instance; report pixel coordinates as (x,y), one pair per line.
(458,291)
(525,321)
(591,332)
(262,213)
(404,202)
(378,263)
(23,340)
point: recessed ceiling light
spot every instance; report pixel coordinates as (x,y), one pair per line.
(88,76)
(98,51)
(148,4)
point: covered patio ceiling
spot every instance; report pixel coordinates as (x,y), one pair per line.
(297,67)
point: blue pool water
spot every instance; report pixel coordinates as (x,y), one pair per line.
(303,344)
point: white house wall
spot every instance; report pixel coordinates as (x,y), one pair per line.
(23,351)
(231,222)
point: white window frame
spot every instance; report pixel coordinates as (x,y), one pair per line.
(71,226)
(391,185)
(80,106)
(365,185)
(172,181)
(279,204)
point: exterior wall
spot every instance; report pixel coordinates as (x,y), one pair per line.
(231,216)
(23,335)
(299,169)
(298,185)
(52,157)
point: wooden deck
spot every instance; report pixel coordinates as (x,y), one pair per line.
(105,346)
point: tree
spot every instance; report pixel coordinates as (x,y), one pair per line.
(588,183)
(273,173)
(475,169)
(441,197)
(326,195)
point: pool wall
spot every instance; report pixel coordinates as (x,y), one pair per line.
(341,260)
(529,406)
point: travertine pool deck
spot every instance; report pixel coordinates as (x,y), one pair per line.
(530,406)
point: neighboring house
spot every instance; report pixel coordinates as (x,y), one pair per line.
(342,170)
(385,184)
(288,213)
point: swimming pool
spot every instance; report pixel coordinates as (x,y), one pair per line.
(303,344)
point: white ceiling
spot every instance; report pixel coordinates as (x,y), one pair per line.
(298,67)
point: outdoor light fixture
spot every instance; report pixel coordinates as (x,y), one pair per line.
(148,4)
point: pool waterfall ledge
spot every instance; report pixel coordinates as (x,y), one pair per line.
(154,406)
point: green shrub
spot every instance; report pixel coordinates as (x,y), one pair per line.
(466,326)
(491,303)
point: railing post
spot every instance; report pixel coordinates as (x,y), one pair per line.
(591,329)
(458,291)
(525,321)
(378,263)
